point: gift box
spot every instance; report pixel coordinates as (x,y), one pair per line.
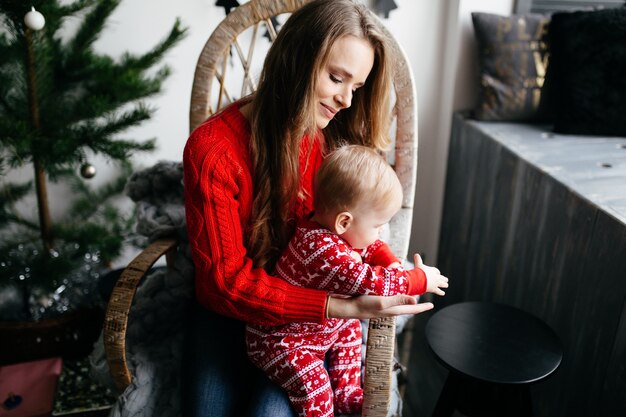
(27,389)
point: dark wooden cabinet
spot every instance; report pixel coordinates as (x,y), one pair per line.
(538,221)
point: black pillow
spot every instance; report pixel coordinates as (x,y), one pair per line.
(587,74)
(513,56)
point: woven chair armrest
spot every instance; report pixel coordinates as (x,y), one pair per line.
(119,305)
(379,361)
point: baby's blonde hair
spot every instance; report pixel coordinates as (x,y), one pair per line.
(351,175)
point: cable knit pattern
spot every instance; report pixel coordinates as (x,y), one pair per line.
(218,200)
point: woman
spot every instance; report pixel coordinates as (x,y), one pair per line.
(249,178)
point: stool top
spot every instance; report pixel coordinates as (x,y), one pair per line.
(493,343)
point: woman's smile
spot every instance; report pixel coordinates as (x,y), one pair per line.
(330,112)
(350,62)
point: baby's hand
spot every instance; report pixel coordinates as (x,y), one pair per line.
(434,280)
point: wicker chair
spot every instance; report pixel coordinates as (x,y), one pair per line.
(225,45)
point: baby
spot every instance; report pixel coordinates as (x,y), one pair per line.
(338,250)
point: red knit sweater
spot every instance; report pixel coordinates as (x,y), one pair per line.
(218,204)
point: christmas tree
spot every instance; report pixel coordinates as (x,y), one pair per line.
(62,102)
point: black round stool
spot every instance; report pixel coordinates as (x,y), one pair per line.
(493,352)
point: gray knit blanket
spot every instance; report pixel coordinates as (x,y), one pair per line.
(155,331)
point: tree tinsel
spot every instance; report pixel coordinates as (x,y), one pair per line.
(92,232)
(61,100)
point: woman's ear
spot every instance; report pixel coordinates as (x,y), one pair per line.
(343,221)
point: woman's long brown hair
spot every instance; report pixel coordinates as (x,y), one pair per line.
(283,112)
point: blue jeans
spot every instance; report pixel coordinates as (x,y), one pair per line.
(218,378)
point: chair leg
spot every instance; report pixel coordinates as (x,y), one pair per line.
(446,404)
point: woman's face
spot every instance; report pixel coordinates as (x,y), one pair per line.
(350,62)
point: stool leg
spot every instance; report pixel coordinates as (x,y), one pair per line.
(519,402)
(446,404)
(527,404)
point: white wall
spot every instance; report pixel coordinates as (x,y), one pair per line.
(136,26)
(436,35)
(445,64)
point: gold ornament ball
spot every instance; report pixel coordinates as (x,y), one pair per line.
(87,171)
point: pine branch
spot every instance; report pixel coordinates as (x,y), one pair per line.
(6,47)
(108,245)
(12,193)
(105,95)
(92,25)
(121,84)
(12,218)
(77,6)
(12,83)
(100,136)
(120,149)
(91,201)
(116,123)
(14,133)
(5,105)
(92,214)
(9,195)
(14,10)
(156,54)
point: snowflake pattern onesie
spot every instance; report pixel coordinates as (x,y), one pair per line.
(293,355)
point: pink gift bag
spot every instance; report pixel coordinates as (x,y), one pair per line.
(27,389)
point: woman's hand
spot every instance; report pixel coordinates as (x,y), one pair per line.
(374,306)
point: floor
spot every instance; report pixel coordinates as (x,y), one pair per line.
(78,394)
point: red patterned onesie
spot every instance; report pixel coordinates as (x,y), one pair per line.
(293,355)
